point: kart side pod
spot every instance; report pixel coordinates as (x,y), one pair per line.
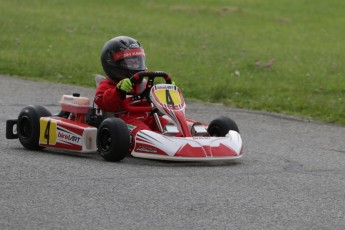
(64,134)
(36,128)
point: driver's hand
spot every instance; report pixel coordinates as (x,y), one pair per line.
(173,83)
(125,85)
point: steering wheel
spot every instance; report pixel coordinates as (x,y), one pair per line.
(137,79)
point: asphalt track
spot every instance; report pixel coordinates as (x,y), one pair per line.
(292,176)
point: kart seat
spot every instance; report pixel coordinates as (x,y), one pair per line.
(99,78)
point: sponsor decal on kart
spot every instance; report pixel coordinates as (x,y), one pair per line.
(130,127)
(66,136)
(146,149)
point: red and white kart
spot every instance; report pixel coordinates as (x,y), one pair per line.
(79,127)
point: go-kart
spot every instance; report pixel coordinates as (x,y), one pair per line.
(80,127)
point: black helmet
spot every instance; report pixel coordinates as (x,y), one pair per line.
(122,57)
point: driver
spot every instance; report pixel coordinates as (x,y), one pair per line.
(121,58)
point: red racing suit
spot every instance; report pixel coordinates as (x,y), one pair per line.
(109,99)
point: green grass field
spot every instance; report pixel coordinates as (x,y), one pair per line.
(277,56)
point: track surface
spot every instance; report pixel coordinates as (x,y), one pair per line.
(292,176)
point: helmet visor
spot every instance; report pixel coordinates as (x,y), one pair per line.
(132,59)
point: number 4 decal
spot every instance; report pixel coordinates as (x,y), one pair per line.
(47,131)
(169,99)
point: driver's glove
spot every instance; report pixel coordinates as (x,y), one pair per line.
(125,85)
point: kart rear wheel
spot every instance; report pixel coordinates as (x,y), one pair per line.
(220,126)
(113,139)
(28,126)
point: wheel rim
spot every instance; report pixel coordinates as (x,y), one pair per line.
(105,140)
(24,127)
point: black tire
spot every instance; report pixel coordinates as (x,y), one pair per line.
(28,126)
(113,139)
(220,126)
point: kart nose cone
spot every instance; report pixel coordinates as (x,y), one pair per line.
(156,146)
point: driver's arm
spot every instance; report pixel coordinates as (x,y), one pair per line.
(107,97)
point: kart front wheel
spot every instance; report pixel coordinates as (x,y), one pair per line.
(220,126)
(113,139)
(28,126)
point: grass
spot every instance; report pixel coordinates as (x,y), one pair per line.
(277,56)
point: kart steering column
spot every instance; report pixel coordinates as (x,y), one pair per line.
(155,115)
